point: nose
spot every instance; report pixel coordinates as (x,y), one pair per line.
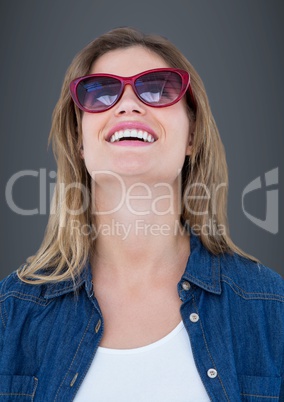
(129,103)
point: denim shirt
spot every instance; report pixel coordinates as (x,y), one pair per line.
(233,311)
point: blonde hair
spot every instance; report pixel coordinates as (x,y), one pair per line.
(63,252)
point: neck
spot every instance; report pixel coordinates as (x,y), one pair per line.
(138,232)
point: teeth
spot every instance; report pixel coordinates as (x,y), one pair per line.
(150,138)
(133,134)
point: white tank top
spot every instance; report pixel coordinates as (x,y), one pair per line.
(163,371)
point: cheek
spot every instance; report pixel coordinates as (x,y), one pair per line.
(93,125)
(179,126)
(90,132)
(89,137)
(86,127)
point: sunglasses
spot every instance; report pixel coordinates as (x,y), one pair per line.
(160,87)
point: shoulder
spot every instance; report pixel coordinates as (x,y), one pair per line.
(19,299)
(13,286)
(16,300)
(246,278)
(251,279)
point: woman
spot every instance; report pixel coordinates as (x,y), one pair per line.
(137,292)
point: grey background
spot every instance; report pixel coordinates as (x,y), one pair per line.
(237,48)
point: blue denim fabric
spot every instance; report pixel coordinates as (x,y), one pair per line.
(233,310)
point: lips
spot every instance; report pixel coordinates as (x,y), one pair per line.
(131,131)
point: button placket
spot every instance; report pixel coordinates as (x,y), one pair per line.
(82,355)
(205,356)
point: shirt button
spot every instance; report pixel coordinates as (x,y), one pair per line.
(185,285)
(212,373)
(194,317)
(98,326)
(74,379)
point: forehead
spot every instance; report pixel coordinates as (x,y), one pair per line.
(128,61)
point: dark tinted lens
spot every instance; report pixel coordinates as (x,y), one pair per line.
(98,93)
(159,88)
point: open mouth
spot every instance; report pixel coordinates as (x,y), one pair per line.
(132,135)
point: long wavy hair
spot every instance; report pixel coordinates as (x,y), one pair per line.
(64,251)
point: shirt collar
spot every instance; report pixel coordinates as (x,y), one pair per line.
(63,287)
(202,269)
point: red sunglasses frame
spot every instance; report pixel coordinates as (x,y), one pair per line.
(185,77)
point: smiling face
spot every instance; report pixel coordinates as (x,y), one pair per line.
(166,132)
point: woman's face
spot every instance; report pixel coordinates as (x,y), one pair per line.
(154,162)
